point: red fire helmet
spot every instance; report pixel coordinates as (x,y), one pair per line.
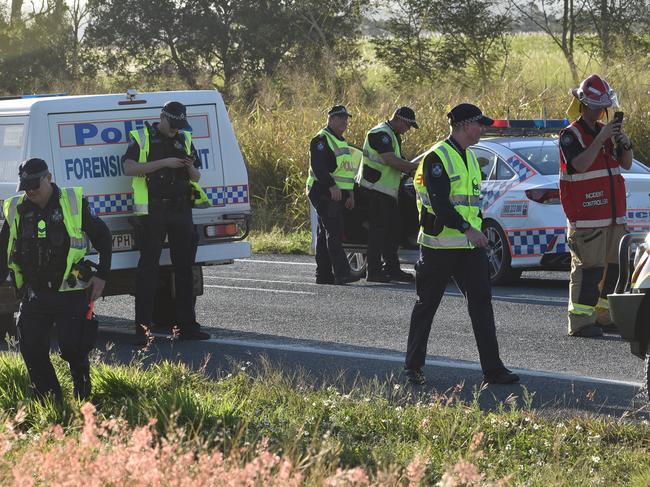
(595,93)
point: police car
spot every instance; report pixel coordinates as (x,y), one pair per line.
(84,138)
(523,218)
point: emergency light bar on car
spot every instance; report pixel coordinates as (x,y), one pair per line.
(526,127)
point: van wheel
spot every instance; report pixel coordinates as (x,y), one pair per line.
(358,263)
(7,325)
(499,258)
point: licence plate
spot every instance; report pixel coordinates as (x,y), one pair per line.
(122,241)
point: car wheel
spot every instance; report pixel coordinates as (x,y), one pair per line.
(358,263)
(499,258)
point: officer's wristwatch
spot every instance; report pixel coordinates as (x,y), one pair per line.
(464,226)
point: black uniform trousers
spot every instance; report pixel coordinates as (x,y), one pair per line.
(331,260)
(39,310)
(383,233)
(175,222)
(470,270)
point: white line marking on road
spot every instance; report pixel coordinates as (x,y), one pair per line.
(260,280)
(398,358)
(545,299)
(275,262)
(257,289)
(529,299)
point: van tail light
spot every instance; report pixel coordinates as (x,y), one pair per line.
(545,196)
(221,230)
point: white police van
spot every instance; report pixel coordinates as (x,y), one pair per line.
(84,138)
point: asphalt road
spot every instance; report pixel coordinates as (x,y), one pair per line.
(269,306)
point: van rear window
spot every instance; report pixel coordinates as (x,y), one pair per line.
(11,144)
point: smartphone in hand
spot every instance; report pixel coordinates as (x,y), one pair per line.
(618,120)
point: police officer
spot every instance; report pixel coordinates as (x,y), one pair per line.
(330,188)
(447,183)
(592,192)
(381,170)
(164,165)
(42,244)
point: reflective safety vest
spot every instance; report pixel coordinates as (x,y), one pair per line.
(388,182)
(347,162)
(70,200)
(139,183)
(589,198)
(464,194)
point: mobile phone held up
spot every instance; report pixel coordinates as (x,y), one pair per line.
(618,119)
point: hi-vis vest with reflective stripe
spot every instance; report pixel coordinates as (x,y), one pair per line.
(589,198)
(139,183)
(465,195)
(346,162)
(388,183)
(70,201)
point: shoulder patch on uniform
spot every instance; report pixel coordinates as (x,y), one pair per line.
(320,146)
(437,170)
(385,139)
(566,138)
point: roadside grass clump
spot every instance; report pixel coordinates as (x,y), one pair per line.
(277,240)
(262,426)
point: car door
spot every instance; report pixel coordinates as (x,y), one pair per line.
(637,189)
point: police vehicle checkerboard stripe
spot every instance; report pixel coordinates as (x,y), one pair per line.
(535,241)
(493,190)
(115,204)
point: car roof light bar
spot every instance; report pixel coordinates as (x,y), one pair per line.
(526,127)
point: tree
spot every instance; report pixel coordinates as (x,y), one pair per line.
(561,20)
(34,49)
(614,22)
(409,46)
(474,29)
(427,39)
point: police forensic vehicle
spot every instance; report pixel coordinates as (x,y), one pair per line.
(84,138)
(522,215)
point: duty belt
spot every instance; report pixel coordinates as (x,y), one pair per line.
(170,203)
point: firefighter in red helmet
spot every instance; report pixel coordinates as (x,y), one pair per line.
(593,152)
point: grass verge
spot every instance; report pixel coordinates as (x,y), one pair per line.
(268,428)
(279,241)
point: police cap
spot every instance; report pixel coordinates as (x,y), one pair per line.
(30,173)
(467,113)
(176,113)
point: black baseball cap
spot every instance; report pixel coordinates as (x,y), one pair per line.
(408,115)
(467,113)
(339,110)
(30,173)
(177,115)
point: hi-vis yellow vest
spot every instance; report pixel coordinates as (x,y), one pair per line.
(347,162)
(139,183)
(70,201)
(465,195)
(388,183)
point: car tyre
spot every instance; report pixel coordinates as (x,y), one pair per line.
(499,258)
(358,264)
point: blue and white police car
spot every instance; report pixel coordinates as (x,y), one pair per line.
(520,198)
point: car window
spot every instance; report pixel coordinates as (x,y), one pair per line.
(504,172)
(485,160)
(544,157)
